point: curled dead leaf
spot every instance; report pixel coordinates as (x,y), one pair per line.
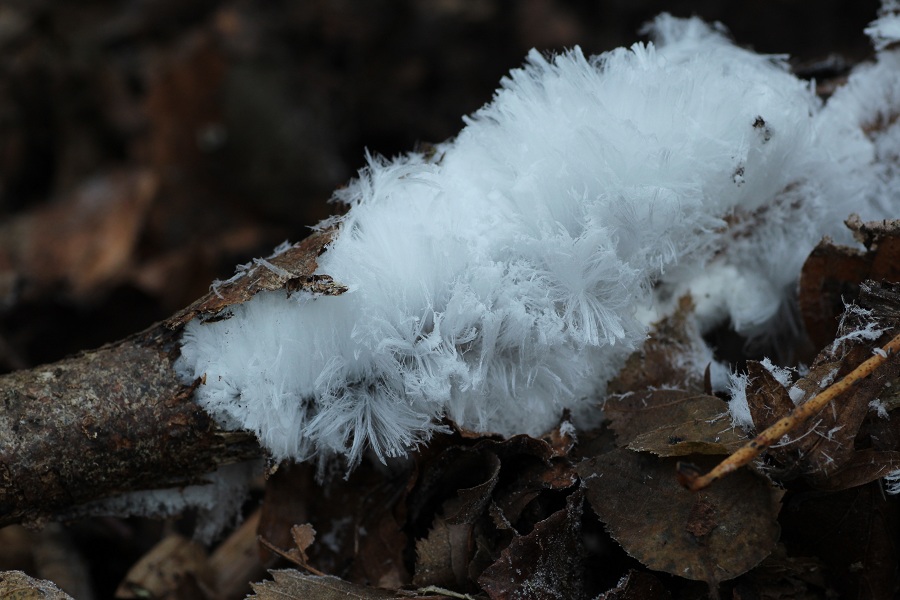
(832,274)
(545,564)
(443,558)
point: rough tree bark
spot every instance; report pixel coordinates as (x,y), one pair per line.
(118,419)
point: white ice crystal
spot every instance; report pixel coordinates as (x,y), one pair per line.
(500,281)
(217,501)
(885,30)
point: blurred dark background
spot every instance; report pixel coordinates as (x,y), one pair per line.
(148,146)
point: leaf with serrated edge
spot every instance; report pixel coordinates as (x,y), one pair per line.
(712,535)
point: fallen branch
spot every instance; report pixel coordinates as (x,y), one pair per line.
(104,422)
(119,419)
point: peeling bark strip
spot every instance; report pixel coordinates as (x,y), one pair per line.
(293,269)
(101,423)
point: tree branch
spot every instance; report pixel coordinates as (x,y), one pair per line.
(118,419)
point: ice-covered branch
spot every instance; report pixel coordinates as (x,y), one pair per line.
(507,276)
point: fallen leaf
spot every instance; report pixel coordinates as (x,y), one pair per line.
(713,535)
(783,577)
(668,358)
(766,397)
(532,478)
(16,585)
(545,564)
(707,429)
(444,556)
(84,242)
(769,401)
(637,413)
(832,274)
(359,521)
(289,584)
(862,467)
(304,536)
(828,440)
(176,565)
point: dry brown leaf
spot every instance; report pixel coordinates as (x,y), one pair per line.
(862,467)
(783,577)
(235,562)
(175,566)
(532,479)
(529,467)
(832,274)
(84,242)
(828,440)
(545,564)
(16,585)
(834,401)
(444,557)
(294,585)
(706,430)
(640,412)
(712,535)
(767,399)
(304,536)
(362,517)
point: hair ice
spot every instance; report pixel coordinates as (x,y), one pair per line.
(499,281)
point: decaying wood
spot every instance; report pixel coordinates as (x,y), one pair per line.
(292,270)
(104,422)
(118,419)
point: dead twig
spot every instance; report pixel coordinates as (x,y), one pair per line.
(690,477)
(294,556)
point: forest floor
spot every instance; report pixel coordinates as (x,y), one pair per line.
(146,148)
